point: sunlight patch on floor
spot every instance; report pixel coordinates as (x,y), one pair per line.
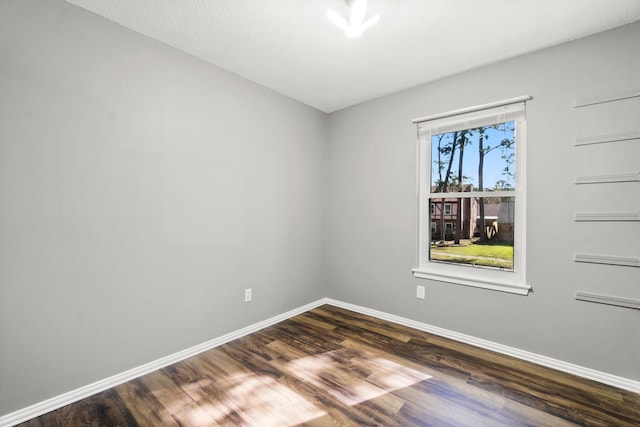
(349,376)
(261,400)
(355,380)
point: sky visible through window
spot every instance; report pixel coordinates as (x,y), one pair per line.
(498,146)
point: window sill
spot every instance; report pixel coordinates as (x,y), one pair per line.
(465,280)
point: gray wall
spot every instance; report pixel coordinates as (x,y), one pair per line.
(372,205)
(141,190)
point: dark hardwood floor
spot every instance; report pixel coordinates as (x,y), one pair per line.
(333,367)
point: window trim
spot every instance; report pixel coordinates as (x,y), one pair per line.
(468,275)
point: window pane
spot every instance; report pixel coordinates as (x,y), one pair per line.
(478,159)
(479,231)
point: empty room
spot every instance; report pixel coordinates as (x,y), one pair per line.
(322,213)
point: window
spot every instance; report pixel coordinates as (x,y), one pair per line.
(471,170)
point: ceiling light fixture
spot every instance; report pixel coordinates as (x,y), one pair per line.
(356,25)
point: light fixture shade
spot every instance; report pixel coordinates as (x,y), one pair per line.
(337,19)
(356,24)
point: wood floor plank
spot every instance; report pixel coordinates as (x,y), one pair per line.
(415,415)
(145,408)
(165,389)
(332,367)
(314,321)
(104,408)
(304,338)
(517,412)
(219,375)
(367,323)
(287,353)
(193,415)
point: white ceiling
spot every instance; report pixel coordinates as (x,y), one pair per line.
(291,47)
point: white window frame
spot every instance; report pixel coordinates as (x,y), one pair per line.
(447,209)
(468,275)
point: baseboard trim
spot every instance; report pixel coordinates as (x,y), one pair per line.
(591,374)
(64,399)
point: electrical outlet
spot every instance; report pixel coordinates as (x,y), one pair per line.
(247,295)
(420,292)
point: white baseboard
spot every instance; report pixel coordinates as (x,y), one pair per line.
(56,402)
(549,362)
(64,399)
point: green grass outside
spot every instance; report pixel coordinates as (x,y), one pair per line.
(488,255)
